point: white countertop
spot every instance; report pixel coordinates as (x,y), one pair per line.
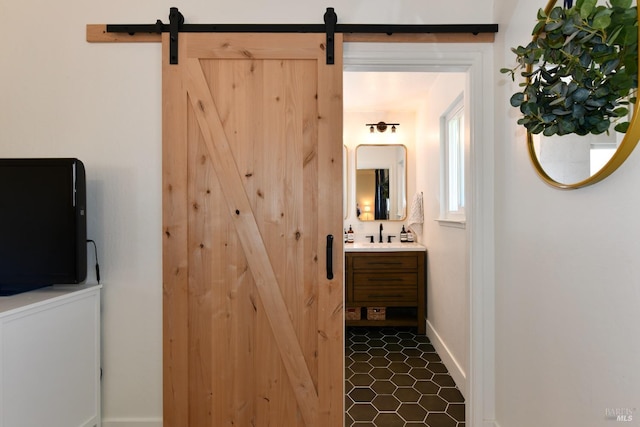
(383,247)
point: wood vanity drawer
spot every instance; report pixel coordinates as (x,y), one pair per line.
(397,287)
(385,262)
(391,280)
(373,295)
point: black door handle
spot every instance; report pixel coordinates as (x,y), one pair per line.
(330,256)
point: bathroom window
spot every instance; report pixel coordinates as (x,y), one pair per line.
(453,158)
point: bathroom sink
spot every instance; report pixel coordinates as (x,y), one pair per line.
(383,247)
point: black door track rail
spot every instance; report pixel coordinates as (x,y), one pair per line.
(330,27)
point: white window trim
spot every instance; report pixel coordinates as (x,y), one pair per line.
(454,223)
(447,217)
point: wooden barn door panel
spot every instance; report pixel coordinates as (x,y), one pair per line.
(252,182)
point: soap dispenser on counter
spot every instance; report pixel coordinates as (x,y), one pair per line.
(403,235)
(350,235)
(409,236)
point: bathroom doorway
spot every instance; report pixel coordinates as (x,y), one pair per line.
(424,69)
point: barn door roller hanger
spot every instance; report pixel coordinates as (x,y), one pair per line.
(330,27)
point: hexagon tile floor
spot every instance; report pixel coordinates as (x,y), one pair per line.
(395,378)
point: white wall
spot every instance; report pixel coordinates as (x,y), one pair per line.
(567,276)
(63,97)
(448,273)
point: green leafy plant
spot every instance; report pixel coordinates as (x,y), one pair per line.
(580,69)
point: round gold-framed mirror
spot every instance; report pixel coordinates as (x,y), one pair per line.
(573,161)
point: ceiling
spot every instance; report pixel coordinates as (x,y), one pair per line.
(386,90)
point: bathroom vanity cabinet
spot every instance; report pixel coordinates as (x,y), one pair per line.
(395,280)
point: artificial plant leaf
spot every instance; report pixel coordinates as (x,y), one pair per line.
(581,94)
(529,108)
(602,126)
(630,37)
(587,7)
(536,129)
(548,118)
(600,102)
(539,26)
(601,92)
(569,29)
(557,12)
(553,25)
(578,111)
(517,99)
(622,127)
(623,81)
(520,50)
(602,20)
(551,130)
(586,37)
(555,43)
(614,35)
(556,87)
(541,14)
(625,4)
(621,112)
(565,127)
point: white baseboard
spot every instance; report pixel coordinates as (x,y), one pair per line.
(455,370)
(132,422)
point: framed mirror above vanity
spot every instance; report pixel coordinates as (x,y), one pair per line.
(381,182)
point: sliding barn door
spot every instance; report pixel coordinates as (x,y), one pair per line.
(252,187)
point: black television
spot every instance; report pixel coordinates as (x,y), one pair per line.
(43,223)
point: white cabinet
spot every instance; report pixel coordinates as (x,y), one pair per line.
(50,358)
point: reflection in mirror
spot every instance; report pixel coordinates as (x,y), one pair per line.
(574,161)
(381,182)
(573,158)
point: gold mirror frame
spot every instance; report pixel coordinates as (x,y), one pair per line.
(625,148)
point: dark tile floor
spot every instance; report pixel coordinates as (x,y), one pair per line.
(395,378)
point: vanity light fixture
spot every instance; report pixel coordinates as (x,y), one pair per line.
(382,126)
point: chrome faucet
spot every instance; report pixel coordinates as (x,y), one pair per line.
(380,232)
